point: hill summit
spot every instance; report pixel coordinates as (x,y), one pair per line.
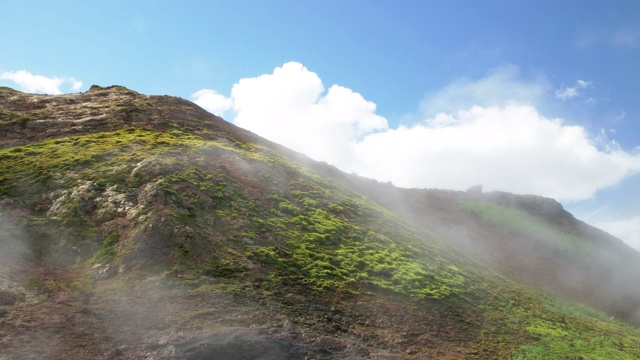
(144,227)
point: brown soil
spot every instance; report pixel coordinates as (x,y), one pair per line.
(67,315)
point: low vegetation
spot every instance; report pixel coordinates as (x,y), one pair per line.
(229,212)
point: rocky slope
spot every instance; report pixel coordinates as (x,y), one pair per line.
(139,226)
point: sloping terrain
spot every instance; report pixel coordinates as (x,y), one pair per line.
(531,240)
(141,226)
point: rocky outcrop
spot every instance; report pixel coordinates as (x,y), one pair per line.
(27,118)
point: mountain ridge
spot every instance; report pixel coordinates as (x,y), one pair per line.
(119,198)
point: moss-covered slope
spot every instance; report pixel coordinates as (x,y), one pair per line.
(218,214)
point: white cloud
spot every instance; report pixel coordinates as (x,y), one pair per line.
(488,131)
(623,37)
(75,84)
(619,116)
(512,148)
(502,86)
(212,101)
(31,83)
(626,37)
(582,84)
(567,92)
(627,230)
(290,107)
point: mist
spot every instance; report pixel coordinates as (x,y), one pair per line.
(198,239)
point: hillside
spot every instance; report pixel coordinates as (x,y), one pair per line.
(139,226)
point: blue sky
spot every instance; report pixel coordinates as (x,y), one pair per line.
(523,96)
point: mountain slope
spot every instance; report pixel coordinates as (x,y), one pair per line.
(143,227)
(531,240)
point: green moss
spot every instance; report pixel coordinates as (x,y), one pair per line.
(533,352)
(332,243)
(105,156)
(227,268)
(6,116)
(108,250)
(13,119)
(33,284)
(522,324)
(302,229)
(22,122)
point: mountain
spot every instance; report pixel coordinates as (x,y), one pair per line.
(143,227)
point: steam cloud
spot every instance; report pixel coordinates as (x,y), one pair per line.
(13,241)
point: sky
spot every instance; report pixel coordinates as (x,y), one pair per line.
(531,97)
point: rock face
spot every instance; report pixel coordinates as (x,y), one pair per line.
(143,227)
(27,118)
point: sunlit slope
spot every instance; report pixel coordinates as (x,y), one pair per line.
(244,218)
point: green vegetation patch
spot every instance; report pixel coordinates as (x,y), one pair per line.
(523,324)
(335,241)
(108,250)
(520,223)
(8,119)
(30,169)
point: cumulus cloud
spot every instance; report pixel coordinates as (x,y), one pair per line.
(291,107)
(212,101)
(32,83)
(512,148)
(567,92)
(486,131)
(626,229)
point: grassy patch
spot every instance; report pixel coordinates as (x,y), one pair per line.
(532,352)
(333,242)
(108,250)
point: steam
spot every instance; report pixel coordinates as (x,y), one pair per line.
(159,316)
(13,242)
(487,131)
(627,229)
